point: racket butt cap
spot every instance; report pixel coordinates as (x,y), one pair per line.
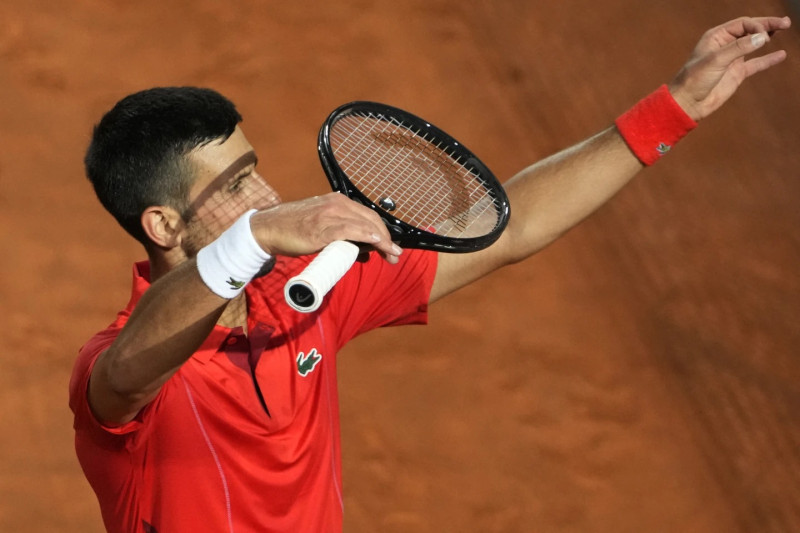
(301,296)
(305,291)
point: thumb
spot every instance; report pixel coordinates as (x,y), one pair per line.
(757,40)
(740,48)
(748,43)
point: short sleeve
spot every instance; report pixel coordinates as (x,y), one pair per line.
(84,420)
(377,294)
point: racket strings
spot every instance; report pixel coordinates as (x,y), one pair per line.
(430,188)
(379,171)
(444,199)
(414,168)
(221,202)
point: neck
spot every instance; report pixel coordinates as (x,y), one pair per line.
(235,314)
(158,268)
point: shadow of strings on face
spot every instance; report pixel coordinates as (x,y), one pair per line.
(223,201)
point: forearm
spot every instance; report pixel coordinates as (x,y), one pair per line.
(169,323)
(547,199)
(555,194)
(552,196)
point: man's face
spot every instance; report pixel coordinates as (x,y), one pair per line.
(226,185)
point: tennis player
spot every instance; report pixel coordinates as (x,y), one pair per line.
(208,405)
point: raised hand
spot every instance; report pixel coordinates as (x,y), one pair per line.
(718,65)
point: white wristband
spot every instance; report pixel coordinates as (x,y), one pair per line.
(232,260)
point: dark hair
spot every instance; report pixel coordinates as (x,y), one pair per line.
(136,158)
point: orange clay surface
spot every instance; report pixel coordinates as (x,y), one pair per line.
(640,375)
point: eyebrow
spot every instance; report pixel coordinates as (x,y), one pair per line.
(244,161)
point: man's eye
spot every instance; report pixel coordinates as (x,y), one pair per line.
(237,184)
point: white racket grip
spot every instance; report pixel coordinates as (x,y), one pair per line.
(305,291)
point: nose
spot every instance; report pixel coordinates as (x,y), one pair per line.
(265,196)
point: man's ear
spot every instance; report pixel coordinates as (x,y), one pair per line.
(163,226)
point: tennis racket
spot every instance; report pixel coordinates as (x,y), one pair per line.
(430,190)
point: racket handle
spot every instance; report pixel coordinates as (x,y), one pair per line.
(305,291)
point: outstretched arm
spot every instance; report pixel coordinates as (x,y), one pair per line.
(555,194)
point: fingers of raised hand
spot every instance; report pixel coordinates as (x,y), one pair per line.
(758,64)
(740,27)
(741,47)
(729,32)
(751,25)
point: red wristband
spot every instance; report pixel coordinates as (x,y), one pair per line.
(653,126)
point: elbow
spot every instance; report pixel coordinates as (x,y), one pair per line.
(121,379)
(521,243)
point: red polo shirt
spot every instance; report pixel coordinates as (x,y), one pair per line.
(245,436)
